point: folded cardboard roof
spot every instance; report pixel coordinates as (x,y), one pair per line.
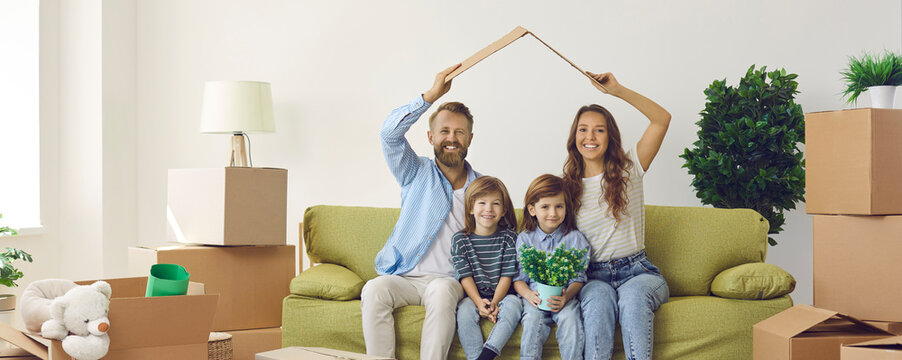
(515,34)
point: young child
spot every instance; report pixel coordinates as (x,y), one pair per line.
(485,260)
(548,222)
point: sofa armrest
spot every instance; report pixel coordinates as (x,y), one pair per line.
(753,281)
(329,282)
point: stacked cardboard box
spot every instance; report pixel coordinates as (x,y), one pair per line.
(235,219)
(854,167)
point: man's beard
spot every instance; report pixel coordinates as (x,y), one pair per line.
(450,159)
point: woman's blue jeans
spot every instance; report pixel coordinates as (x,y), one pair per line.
(509,311)
(630,290)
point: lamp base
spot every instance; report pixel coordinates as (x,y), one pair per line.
(239,154)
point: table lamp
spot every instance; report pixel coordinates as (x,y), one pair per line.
(237,107)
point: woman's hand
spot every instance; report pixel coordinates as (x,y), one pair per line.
(556,303)
(606,82)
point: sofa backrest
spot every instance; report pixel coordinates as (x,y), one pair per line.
(690,245)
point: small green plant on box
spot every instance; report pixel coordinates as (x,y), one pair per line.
(9,273)
(871,70)
(555,270)
(747,153)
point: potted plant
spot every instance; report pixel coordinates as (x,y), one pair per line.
(8,273)
(747,153)
(552,272)
(878,75)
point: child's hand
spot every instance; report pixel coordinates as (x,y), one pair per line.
(534,299)
(484,306)
(556,303)
(493,316)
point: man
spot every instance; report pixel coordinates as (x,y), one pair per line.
(415,265)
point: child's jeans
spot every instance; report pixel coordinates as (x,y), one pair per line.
(629,289)
(537,326)
(509,311)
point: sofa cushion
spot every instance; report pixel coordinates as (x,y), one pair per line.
(755,281)
(329,282)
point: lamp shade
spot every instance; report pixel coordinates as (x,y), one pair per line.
(237,106)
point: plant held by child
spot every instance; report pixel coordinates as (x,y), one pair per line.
(747,154)
(555,270)
(8,273)
(871,70)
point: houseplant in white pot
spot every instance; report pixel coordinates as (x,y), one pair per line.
(878,75)
(9,273)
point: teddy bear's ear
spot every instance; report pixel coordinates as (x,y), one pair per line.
(104,288)
(57,309)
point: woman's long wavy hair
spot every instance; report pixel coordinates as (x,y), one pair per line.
(484,186)
(614,180)
(547,185)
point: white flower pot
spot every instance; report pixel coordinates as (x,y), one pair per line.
(882,97)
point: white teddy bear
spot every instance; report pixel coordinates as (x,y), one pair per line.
(83,312)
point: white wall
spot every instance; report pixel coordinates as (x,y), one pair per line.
(338,67)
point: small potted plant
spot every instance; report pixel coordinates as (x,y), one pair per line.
(552,273)
(878,75)
(8,273)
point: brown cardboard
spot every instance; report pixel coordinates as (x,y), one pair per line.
(174,327)
(227,206)
(894,328)
(313,353)
(881,349)
(247,343)
(853,162)
(16,354)
(515,34)
(803,332)
(856,265)
(251,281)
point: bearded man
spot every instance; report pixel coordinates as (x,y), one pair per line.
(415,265)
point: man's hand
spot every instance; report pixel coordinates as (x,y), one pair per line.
(439,87)
(556,303)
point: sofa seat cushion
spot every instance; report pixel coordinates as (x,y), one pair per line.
(692,327)
(754,281)
(329,282)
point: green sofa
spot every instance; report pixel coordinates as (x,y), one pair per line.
(691,245)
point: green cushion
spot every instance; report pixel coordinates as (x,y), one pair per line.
(755,281)
(327,281)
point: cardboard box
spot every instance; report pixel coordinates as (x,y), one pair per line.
(882,349)
(894,328)
(853,162)
(173,327)
(856,265)
(803,332)
(251,281)
(227,206)
(247,343)
(313,353)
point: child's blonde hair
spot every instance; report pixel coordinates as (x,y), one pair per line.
(482,186)
(547,185)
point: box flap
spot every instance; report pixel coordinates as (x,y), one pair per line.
(18,338)
(795,320)
(895,340)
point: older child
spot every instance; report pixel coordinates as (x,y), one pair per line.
(485,260)
(548,222)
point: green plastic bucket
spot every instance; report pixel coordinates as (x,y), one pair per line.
(167,280)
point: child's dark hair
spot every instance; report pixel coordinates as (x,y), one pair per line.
(482,186)
(547,185)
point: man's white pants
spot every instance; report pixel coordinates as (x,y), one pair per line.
(382,295)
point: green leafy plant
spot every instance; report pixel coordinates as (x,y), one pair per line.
(555,270)
(871,70)
(8,273)
(747,153)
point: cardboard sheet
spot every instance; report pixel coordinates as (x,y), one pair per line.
(499,44)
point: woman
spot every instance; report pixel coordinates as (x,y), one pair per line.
(606,182)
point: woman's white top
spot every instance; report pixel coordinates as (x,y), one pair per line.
(608,238)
